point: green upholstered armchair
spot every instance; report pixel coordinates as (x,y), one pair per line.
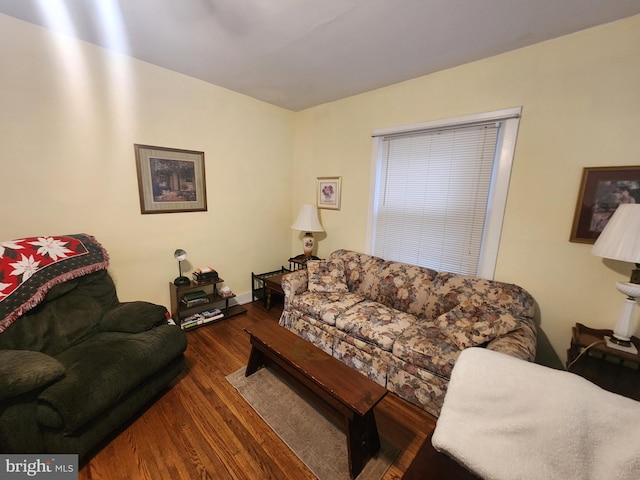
(77,364)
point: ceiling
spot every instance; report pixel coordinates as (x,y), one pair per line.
(301,53)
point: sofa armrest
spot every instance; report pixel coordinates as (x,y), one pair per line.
(22,371)
(295,283)
(519,343)
(133,317)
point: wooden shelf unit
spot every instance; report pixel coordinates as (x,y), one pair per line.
(179,311)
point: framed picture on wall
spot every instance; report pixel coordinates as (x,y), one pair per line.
(170,180)
(602,189)
(329,192)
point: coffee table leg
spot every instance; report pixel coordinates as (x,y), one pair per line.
(256,359)
(363,441)
(372,439)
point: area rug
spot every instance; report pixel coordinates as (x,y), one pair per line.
(315,439)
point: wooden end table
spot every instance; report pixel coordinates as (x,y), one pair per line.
(612,369)
(300,261)
(273,284)
(344,393)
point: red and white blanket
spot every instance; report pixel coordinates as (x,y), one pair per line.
(29,267)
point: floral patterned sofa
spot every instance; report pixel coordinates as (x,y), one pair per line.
(404,326)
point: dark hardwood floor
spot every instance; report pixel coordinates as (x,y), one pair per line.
(202,428)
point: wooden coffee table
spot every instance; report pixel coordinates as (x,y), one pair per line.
(342,392)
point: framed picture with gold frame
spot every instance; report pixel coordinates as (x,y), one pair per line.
(170,180)
(329,192)
(602,189)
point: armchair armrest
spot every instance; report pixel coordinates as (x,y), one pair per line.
(24,370)
(133,317)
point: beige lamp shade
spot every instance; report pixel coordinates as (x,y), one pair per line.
(620,239)
(307,220)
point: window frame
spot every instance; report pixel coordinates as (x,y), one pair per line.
(501,176)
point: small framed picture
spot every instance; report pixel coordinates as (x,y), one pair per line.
(170,180)
(329,192)
(602,189)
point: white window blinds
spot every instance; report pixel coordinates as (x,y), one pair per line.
(433,193)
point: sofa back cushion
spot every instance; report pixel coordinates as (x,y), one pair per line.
(451,290)
(404,287)
(394,284)
(326,276)
(69,313)
(361,271)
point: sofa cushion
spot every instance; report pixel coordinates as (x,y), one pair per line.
(472,326)
(425,346)
(103,369)
(404,287)
(374,323)
(451,290)
(361,271)
(325,306)
(23,370)
(326,276)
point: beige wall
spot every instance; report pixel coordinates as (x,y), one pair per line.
(69,123)
(581,107)
(71,113)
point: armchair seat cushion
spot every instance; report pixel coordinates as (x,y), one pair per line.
(325,306)
(102,370)
(375,323)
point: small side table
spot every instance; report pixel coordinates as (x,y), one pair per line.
(300,261)
(273,284)
(609,368)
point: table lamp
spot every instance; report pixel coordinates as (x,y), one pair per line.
(308,222)
(620,240)
(181,281)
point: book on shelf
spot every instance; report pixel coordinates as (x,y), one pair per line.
(215,317)
(204,274)
(195,294)
(201,318)
(194,302)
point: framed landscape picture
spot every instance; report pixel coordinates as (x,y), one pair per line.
(329,192)
(170,180)
(602,189)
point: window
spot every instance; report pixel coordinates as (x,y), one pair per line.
(439,191)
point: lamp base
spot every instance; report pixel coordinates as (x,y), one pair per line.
(307,243)
(182,281)
(613,342)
